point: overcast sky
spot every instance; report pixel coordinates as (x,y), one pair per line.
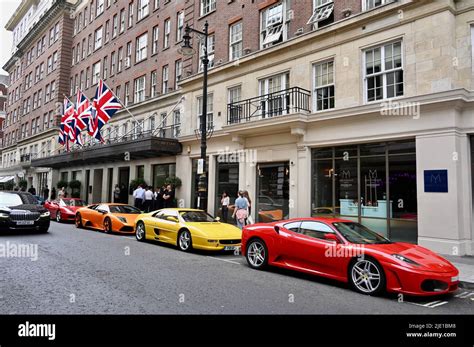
(7,7)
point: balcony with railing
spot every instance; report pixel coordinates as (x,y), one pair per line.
(289,101)
(134,145)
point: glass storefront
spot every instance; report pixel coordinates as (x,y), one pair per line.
(273,192)
(374,184)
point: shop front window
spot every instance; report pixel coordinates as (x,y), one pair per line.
(374,184)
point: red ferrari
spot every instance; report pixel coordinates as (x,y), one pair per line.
(64,209)
(349,252)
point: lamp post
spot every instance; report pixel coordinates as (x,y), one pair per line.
(188,51)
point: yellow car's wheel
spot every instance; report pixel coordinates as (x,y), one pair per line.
(185,242)
(140,231)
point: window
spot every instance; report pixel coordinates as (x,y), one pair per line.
(178,68)
(53,89)
(141,47)
(234,109)
(207,6)
(272,27)
(165,75)
(153,83)
(210,111)
(210,52)
(369,4)
(140,89)
(120,59)
(81,80)
(114,26)
(151,123)
(91,13)
(322,10)
(127,93)
(176,123)
(112,63)
(235,41)
(117,91)
(179,26)
(122,20)
(84,48)
(156,4)
(383,72)
(130,14)
(98,38)
(277,104)
(99,7)
(154,46)
(47,93)
(315,230)
(107,28)
(324,85)
(143,9)
(128,59)
(87,77)
(167,29)
(95,73)
(50,65)
(106,67)
(55,60)
(89,44)
(235,94)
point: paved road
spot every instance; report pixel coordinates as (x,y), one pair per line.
(83,271)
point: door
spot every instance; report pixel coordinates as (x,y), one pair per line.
(165,228)
(274,102)
(273,192)
(124,179)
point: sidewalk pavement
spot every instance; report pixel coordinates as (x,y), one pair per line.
(465,266)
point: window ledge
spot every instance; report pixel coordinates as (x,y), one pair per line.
(207,14)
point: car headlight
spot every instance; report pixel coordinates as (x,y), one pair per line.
(45,214)
(122,219)
(405,259)
(4,215)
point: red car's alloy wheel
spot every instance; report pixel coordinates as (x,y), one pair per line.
(367,276)
(257,254)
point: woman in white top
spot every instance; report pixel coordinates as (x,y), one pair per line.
(225,201)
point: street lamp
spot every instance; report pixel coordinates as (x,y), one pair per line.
(188,51)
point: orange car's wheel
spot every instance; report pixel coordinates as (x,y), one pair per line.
(107,225)
(78,221)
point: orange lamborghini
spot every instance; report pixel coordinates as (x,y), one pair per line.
(108,217)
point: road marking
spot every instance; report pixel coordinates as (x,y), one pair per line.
(227,261)
(432,304)
(464,295)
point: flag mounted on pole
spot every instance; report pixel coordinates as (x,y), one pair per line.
(83,116)
(105,104)
(66,130)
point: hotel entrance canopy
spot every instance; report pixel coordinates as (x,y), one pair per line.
(140,146)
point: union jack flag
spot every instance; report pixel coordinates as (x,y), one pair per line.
(105,104)
(67,120)
(83,116)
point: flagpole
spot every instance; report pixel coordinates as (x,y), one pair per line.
(80,134)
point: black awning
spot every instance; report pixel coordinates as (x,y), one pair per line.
(141,148)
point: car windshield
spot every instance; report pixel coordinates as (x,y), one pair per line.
(357,233)
(197,216)
(67,202)
(124,209)
(10,199)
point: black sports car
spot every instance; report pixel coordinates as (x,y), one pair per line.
(20,211)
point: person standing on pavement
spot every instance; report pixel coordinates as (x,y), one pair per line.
(53,194)
(241,210)
(62,193)
(148,202)
(225,201)
(168,197)
(117,194)
(46,192)
(139,195)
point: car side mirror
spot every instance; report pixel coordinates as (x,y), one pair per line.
(331,237)
(277,229)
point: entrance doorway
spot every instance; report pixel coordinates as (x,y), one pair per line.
(97,186)
(124,181)
(273,192)
(227,180)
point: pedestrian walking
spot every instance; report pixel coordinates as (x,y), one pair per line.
(241,210)
(225,201)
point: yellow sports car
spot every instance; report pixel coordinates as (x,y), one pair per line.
(187,229)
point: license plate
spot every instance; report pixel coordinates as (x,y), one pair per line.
(25,222)
(230,248)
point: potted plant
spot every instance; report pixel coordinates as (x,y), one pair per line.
(135,183)
(174,181)
(61,184)
(75,186)
(23,184)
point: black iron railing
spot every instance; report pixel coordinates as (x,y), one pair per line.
(288,101)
